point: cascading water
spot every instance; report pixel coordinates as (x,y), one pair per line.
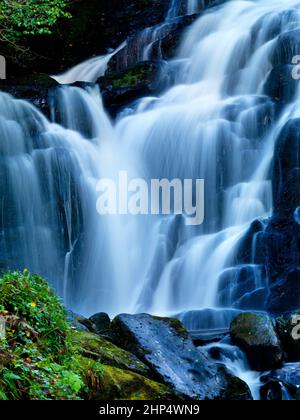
(215,123)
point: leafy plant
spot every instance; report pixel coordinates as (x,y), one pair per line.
(21,18)
(38,360)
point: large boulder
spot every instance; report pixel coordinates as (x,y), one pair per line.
(255,334)
(101,321)
(164,345)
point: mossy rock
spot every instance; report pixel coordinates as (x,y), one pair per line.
(255,334)
(97,348)
(118,384)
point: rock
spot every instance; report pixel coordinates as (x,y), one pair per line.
(36,89)
(288,331)
(280,85)
(254,333)
(165,40)
(255,300)
(287,46)
(282,384)
(238,284)
(102,322)
(117,384)
(119,90)
(286,171)
(101,350)
(164,345)
(250,250)
(284,294)
(80,323)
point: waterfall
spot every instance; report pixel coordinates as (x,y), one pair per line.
(216,123)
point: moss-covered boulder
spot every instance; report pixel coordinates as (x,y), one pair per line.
(255,334)
(116,384)
(101,350)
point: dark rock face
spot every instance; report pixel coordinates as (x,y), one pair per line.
(36,89)
(287,46)
(282,384)
(164,345)
(286,169)
(280,85)
(80,323)
(101,322)
(241,286)
(164,40)
(254,333)
(121,89)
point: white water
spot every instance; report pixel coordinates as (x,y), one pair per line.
(237,364)
(203,127)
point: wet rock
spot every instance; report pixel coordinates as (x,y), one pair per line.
(287,46)
(254,333)
(250,249)
(237,284)
(282,384)
(164,39)
(36,89)
(102,322)
(255,300)
(80,323)
(120,89)
(164,345)
(101,350)
(286,170)
(280,85)
(285,293)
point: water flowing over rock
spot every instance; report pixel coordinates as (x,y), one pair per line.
(215,115)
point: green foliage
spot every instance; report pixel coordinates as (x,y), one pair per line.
(37,358)
(20,18)
(30,298)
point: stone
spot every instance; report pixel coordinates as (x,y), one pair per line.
(255,334)
(102,322)
(101,350)
(164,345)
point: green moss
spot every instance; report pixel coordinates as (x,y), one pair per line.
(120,384)
(97,348)
(176,325)
(43,358)
(131,78)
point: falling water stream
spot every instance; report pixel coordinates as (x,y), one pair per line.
(214,123)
